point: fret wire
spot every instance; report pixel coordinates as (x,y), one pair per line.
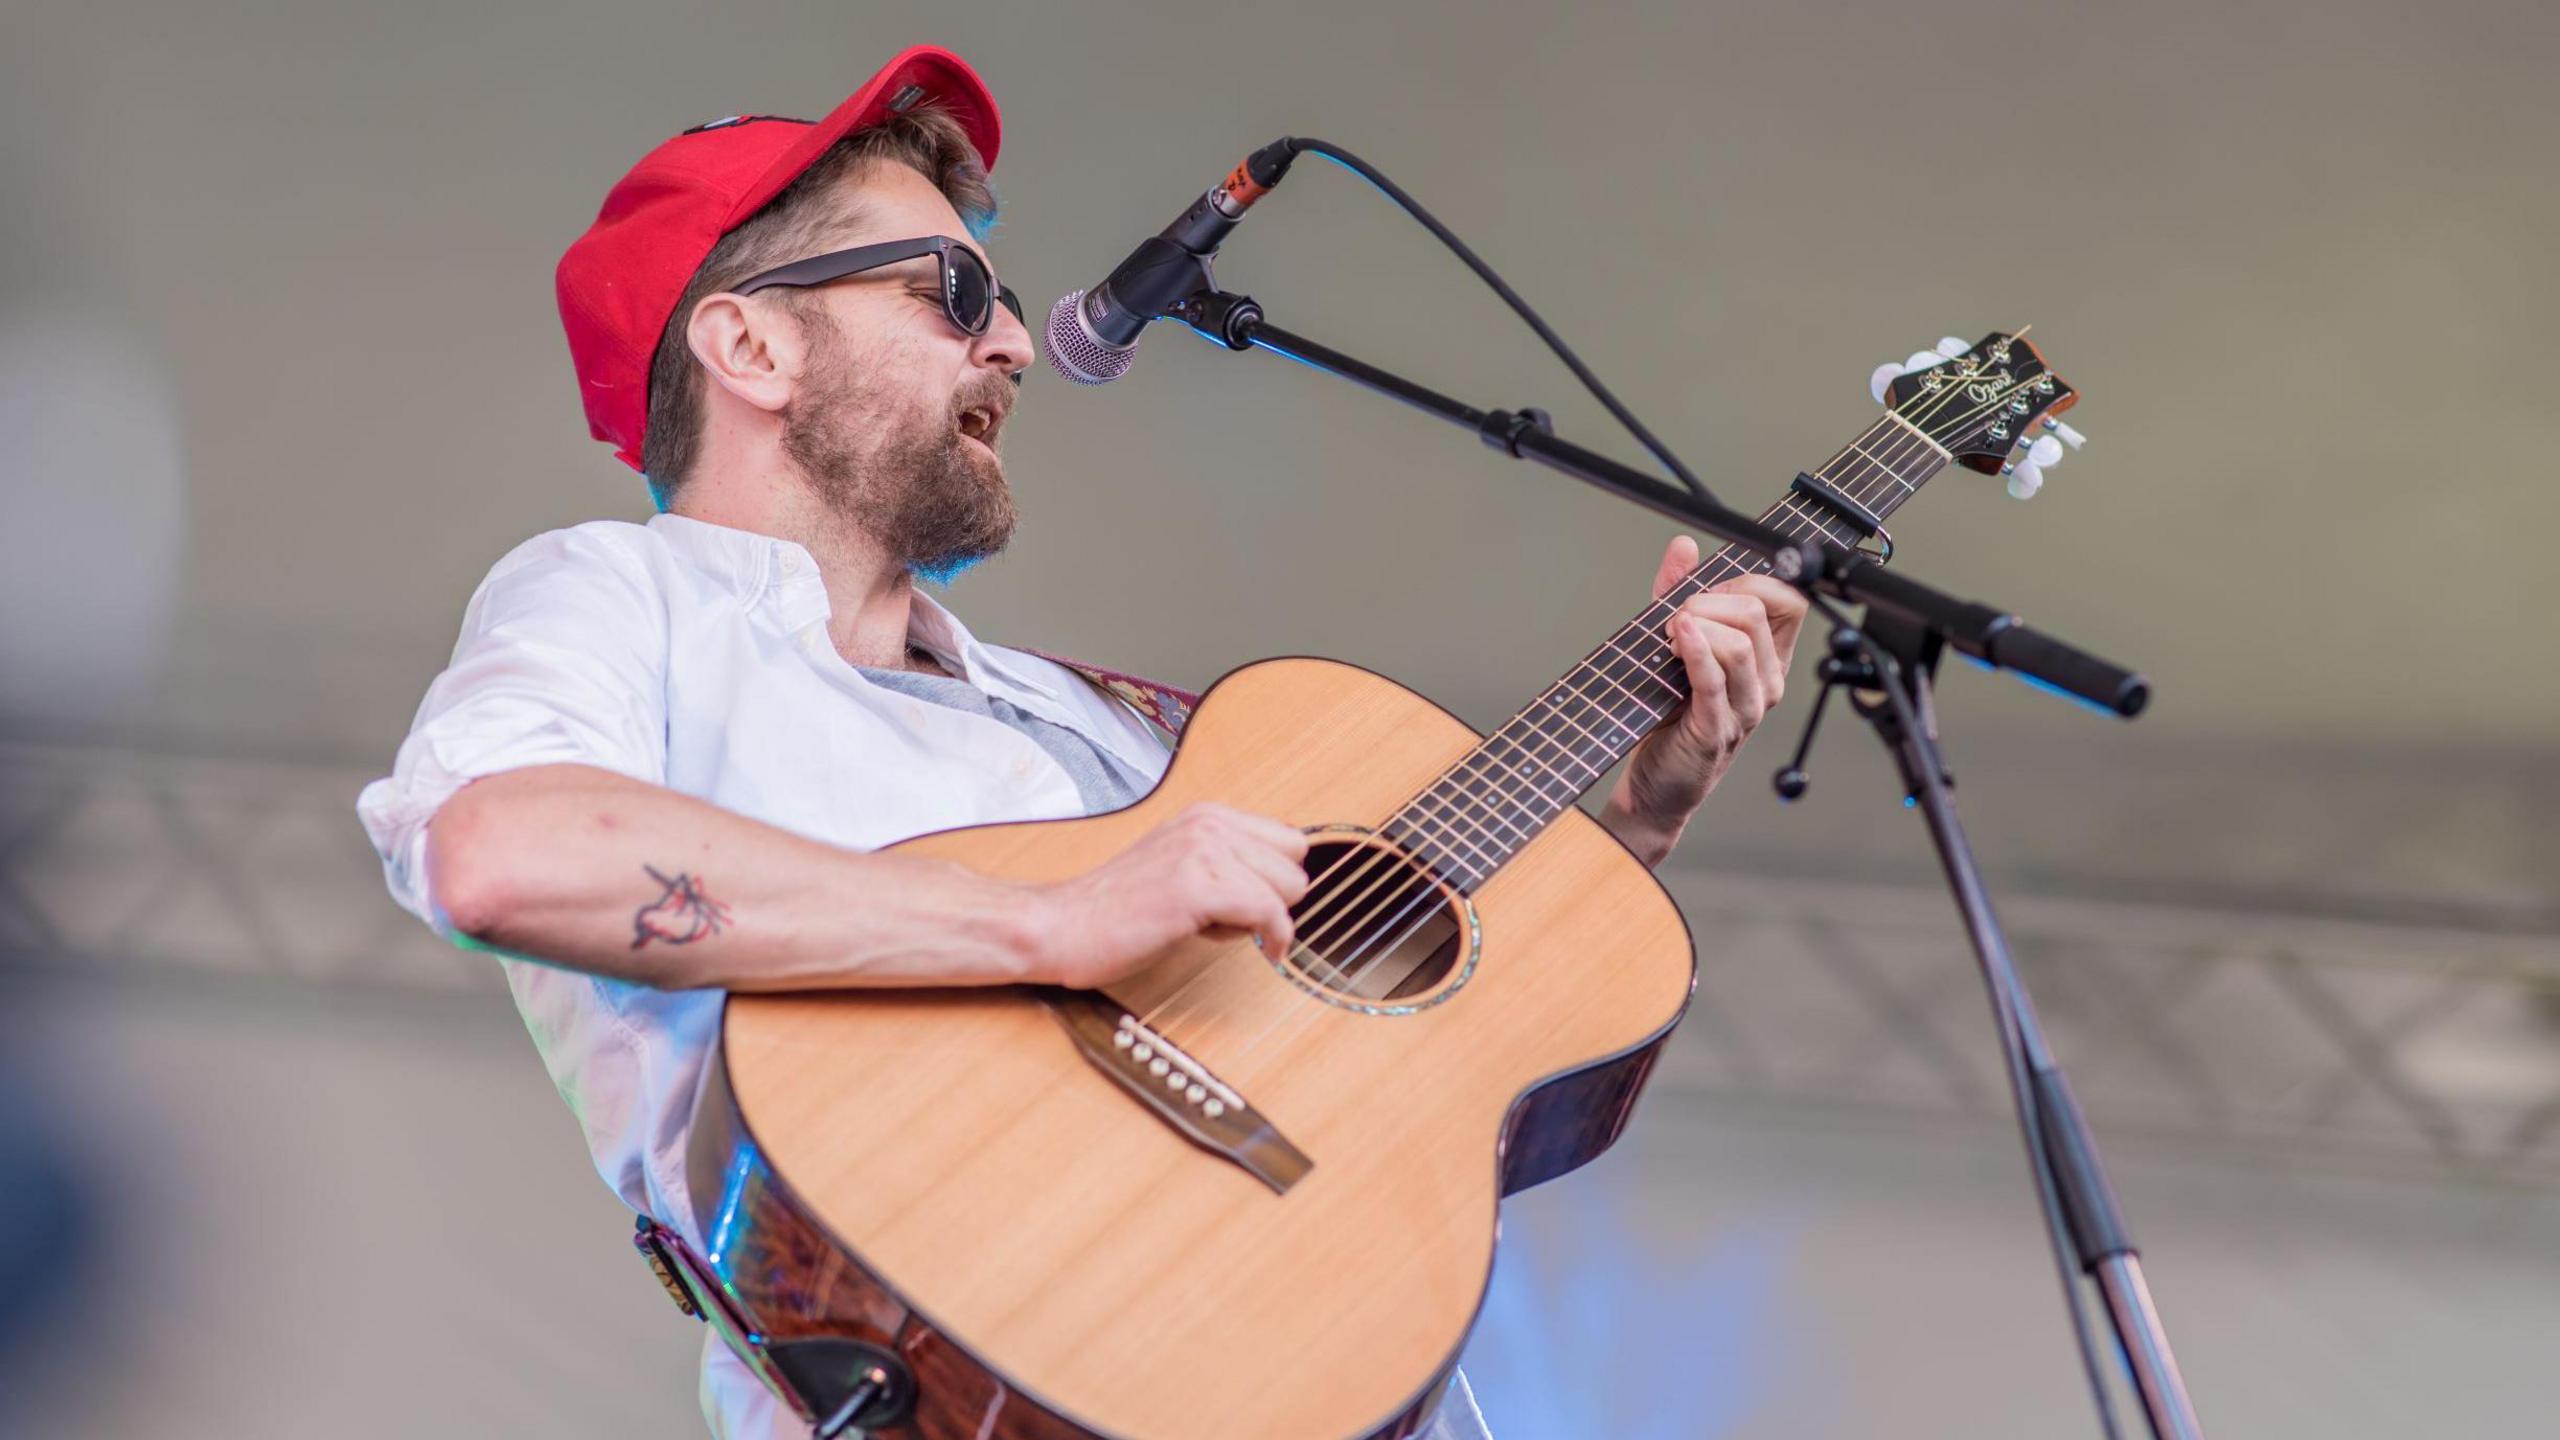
(1639,725)
(1548,802)
(1460,836)
(1858,448)
(1621,689)
(1452,815)
(1596,704)
(1524,832)
(1519,737)
(1601,741)
(1928,443)
(1852,454)
(1908,443)
(1592,706)
(1650,669)
(1443,863)
(1527,781)
(1485,767)
(1576,786)
(1887,477)
(1489,769)
(1550,700)
(1448,857)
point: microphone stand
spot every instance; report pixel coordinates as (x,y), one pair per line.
(1888,662)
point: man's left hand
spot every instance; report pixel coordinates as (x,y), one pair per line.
(1736,640)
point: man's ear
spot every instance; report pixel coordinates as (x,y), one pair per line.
(752,351)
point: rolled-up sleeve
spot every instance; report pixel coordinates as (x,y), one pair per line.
(562,659)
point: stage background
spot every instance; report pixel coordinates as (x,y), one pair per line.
(280,378)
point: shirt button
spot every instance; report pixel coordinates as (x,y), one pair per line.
(790,563)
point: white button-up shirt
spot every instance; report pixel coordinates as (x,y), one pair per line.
(696,657)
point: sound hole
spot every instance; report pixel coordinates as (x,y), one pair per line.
(1374,926)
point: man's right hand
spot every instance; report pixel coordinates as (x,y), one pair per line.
(1211,870)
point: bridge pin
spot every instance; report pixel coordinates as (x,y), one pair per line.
(1195,1094)
(1123,1039)
(1142,1052)
(1214,1109)
(1158,1066)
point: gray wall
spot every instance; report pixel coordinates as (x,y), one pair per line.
(2296,256)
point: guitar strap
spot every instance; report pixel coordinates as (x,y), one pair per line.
(1165,707)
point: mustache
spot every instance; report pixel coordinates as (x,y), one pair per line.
(985,391)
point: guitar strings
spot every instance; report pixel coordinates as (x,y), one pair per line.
(1343,912)
(1494,768)
(1645,669)
(1363,960)
(1726,554)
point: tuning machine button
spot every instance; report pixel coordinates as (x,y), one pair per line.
(2026,473)
(2070,437)
(1922,360)
(1951,347)
(1881,383)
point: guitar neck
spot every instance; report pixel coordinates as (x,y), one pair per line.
(1508,789)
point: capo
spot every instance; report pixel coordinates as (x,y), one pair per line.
(1861,519)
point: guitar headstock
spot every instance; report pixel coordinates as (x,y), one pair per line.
(1994,405)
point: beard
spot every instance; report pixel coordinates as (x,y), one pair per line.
(933,499)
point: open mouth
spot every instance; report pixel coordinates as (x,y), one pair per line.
(980,423)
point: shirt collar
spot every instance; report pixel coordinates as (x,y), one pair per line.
(756,566)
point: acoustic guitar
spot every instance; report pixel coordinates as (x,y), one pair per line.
(1239,1195)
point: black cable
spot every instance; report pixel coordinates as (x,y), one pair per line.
(1484,272)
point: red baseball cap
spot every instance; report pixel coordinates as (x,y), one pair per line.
(620,281)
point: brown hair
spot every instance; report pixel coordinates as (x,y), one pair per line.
(926,139)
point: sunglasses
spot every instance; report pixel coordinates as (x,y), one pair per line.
(970,293)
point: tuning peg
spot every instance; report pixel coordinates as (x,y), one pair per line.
(2026,477)
(1951,347)
(2045,453)
(1922,360)
(2070,437)
(1882,381)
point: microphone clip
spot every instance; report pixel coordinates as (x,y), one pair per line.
(1225,318)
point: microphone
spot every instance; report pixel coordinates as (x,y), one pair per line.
(1093,334)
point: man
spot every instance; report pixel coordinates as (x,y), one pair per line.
(664,754)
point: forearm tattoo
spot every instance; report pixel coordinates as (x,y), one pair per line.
(680,915)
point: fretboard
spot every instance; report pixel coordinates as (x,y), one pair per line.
(1478,815)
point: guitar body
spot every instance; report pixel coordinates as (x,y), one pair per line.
(944,1173)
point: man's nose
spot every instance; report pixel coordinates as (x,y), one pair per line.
(1006,346)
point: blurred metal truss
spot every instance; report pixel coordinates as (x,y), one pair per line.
(125,865)
(2277,1034)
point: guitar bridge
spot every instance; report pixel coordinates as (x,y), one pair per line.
(1177,1089)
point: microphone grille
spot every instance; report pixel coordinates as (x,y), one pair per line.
(1074,353)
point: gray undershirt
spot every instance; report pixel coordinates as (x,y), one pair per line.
(1103,784)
